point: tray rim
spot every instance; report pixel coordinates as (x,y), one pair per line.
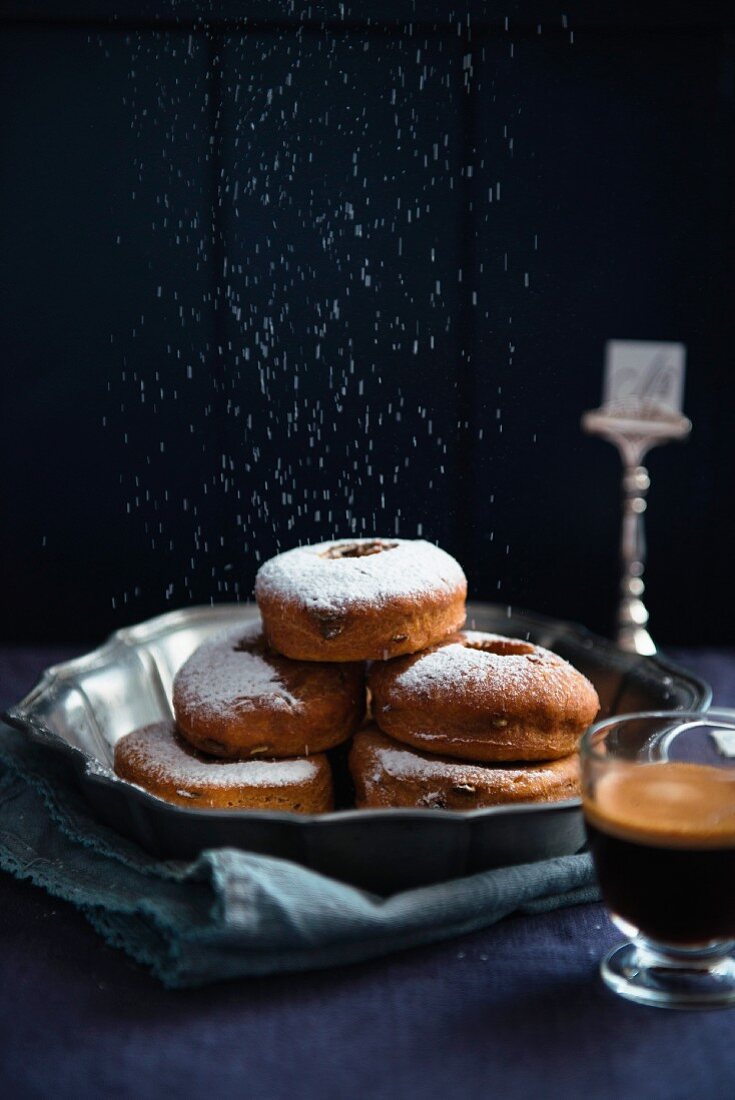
(20,717)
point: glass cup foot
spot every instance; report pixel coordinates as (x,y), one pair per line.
(652,974)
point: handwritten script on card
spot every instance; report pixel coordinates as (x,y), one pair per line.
(644,373)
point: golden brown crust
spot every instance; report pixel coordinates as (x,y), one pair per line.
(158,759)
(235,697)
(368,634)
(360,599)
(387,774)
(484,697)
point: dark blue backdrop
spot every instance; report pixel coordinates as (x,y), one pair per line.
(352,268)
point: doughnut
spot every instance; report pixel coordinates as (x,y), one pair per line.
(235,697)
(156,758)
(484,697)
(360,599)
(386,773)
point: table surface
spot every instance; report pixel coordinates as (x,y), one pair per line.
(516,1010)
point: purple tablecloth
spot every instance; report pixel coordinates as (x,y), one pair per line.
(515,1011)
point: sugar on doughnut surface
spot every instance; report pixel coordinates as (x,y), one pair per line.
(388,774)
(235,697)
(158,759)
(360,599)
(484,697)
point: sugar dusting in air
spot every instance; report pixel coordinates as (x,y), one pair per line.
(289,370)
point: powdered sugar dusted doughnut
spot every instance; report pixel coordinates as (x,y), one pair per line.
(386,773)
(484,697)
(236,697)
(156,758)
(360,599)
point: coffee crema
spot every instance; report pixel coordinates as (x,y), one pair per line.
(672,804)
(663,840)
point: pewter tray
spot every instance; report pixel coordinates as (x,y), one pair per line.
(80,709)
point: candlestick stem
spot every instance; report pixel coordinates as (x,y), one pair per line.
(632,612)
(634,434)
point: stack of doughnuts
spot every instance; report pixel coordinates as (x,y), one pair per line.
(459,719)
(251,728)
(478,720)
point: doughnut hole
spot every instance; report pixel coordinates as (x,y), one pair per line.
(358,549)
(502,647)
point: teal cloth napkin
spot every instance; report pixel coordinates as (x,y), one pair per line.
(231,913)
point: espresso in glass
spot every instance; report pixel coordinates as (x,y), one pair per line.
(663,839)
(658,793)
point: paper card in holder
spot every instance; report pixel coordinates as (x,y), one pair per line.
(644,374)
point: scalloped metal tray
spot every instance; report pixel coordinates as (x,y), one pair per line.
(80,709)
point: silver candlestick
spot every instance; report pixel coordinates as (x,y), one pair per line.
(634,427)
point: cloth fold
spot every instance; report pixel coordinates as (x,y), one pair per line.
(232,913)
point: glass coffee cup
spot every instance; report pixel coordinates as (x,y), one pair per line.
(659,807)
